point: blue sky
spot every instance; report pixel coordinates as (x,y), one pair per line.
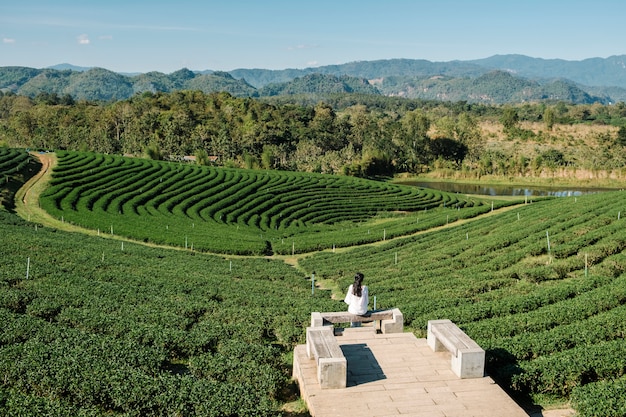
(141,36)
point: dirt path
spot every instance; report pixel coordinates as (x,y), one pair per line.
(27,197)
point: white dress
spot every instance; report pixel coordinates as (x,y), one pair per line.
(357,305)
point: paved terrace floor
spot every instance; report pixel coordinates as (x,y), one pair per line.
(398,375)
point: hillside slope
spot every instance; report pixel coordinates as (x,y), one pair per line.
(122,328)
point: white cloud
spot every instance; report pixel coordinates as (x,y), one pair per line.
(8,40)
(83,39)
(301,46)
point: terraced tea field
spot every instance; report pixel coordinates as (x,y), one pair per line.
(240,211)
(541,286)
(14,164)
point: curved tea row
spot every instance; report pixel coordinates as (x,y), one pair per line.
(232,210)
(12,161)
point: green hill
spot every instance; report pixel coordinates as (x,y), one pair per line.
(239,211)
(320,84)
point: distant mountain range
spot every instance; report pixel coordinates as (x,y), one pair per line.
(494,80)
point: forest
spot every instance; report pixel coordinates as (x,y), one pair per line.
(348,134)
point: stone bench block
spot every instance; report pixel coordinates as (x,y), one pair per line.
(467,358)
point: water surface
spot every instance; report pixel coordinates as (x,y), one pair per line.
(506,190)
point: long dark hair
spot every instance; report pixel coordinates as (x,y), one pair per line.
(357,286)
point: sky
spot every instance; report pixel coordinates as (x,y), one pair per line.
(152,35)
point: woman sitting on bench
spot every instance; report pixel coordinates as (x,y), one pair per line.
(357,298)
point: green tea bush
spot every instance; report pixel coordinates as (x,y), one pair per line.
(600,399)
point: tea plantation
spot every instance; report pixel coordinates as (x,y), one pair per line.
(237,211)
(97,326)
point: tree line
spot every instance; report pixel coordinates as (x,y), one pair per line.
(351,134)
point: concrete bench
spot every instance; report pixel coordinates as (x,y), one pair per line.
(391,321)
(332,367)
(467,358)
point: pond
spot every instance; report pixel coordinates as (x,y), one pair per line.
(506,190)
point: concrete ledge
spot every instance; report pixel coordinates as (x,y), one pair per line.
(393,325)
(391,321)
(467,358)
(332,367)
(332,372)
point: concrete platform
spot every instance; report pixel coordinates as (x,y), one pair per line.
(397,374)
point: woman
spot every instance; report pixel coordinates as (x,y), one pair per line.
(357,298)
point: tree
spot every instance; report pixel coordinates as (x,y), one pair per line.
(509,119)
(154,152)
(324,130)
(268,156)
(449,149)
(549,118)
(414,140)
(416,124)
(376,162)
(553,158)
(621,136)
(202,158)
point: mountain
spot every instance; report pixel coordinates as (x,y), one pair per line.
(593,72)
(320,84)
(364,69)
(494,80)
(103,85)
(71,67)
(494,87)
